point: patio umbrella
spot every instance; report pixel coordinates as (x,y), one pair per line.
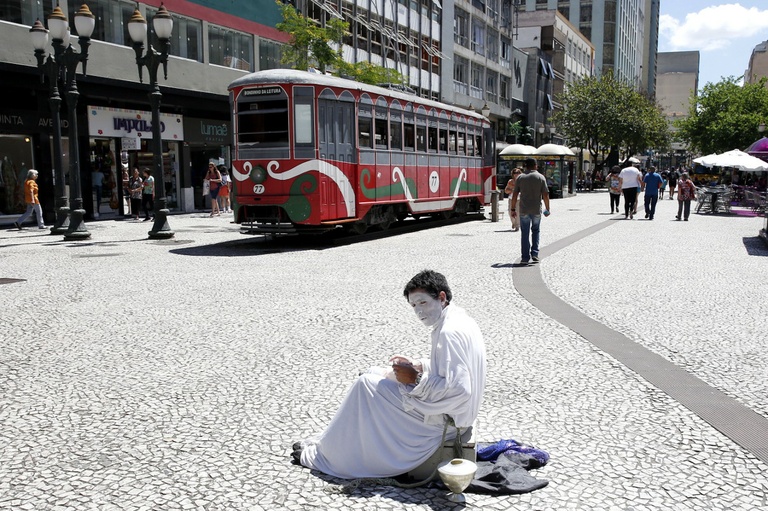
(736,159)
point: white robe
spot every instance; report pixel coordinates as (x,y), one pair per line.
(384,428)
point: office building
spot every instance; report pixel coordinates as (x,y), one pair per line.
(677,82)
(623,33)
(758,64)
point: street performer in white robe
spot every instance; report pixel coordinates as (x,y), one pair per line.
(392,420)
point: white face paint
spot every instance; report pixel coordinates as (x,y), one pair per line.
(427,309)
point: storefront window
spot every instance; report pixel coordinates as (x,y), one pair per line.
(229,48)
(16,158)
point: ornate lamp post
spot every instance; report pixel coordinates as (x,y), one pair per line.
(66,60)
(62,64)
(137,28)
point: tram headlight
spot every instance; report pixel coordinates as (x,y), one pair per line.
(258,174)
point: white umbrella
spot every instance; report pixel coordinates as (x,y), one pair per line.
(701,159)
(736,159)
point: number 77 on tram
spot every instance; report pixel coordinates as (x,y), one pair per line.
(314,153)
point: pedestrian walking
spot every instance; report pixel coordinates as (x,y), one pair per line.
(136,186)
(630,181)
(509,189)
(531,189)
(32,200)
(674,175)
(224,189)
(213,176)
(614,188)
(148,194)
(652,185)
(686,191)
(97,185)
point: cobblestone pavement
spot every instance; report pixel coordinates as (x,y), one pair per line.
(161,375)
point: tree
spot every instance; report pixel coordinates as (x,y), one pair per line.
(366,72)
(601,113)
(310,44)
(313,45)
(724,116)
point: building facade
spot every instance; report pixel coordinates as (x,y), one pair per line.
(213,43)
(621,31)
(758,64)
(566,56)
(677,82)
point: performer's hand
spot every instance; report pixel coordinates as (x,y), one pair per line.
(405,373)
(400,360)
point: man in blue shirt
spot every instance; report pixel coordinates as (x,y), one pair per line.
(651,184)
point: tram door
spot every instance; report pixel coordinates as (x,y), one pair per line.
(336,126)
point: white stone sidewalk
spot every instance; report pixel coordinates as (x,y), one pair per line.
(138,374)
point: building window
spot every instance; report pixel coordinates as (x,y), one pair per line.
(492,9)
(229,48)
(476,84)
(25,12)
(506,48)
(585,14)
(541,5)
(461,28)
(504,90)
(478,37)
(461,75)
(490,88)
(270,53)
(186,38)
(112,18)
(492,45)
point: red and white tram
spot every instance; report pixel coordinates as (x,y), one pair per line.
(315,152)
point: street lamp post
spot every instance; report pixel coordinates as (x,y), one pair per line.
(48,66)
(152,59)
(62,64)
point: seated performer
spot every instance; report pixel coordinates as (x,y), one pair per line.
(392,420)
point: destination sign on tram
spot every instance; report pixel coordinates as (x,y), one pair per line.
(263,91)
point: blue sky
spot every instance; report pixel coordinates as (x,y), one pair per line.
(724,33)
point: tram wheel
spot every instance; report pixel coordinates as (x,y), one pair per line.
(359,227)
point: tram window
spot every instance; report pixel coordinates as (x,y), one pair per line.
(364,126)
(432,139)
(421,138)
(443,141)
(452,138)
(409,140)
(478,145)
(396,131)
(303,123)
(263,122)
(382,134)
(462,143)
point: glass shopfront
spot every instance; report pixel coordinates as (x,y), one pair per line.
(122,140)
(16,158)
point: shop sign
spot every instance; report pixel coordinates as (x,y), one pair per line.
(519,63)
(130,143)
(14,121)
(121,123)
(207,131)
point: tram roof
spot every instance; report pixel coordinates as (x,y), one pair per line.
(295,76)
